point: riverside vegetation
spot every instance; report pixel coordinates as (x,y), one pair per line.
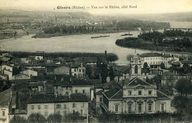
(169,40)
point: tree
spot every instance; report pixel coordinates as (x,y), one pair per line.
(157,80)
(104,72)
(36,118)
(145,68)
(74,117)
(162,65)
(54,118)
(183,86)
(180,103)
(111,73)
(186,68)
(18,119)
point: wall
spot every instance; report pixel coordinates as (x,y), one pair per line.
(45,111)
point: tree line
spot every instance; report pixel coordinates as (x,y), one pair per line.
(52,118)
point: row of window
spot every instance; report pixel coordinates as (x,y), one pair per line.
(80,70)
(58,106)
(152,58)
(39,107)
(64,105)
(130,107)
(76,91)
(139,92)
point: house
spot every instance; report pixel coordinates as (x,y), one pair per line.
(38,87)
(156,59)
(136,96)
(24,60)
(75,86)
(7,70)
(78,71)
(135,66)
(7,103)
(38,57)
(63,105)
(62,70)
(21,77)
(29,72)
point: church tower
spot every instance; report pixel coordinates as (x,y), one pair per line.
(135,65)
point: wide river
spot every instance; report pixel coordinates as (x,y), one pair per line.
(79,43)
(72,43)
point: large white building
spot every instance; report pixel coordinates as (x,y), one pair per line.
(63,105)
(78,71)
(7,70)
(74,87)
(136,96)
(156,59)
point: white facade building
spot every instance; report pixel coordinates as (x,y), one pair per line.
(63,105)
(136,97)
(78,71)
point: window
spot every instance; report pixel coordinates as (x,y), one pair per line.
(116,107)
(32,107)
(74,105)
(58,106)
(130,92)
(79,70)
(3,113)
(162,107)
(129,107)
(150,107)
(136,69)
(76,91)
(81,112)
(139,92)
(100,99)
(83,91)
(39,106)
(45,106)
(64,106)
(139,107)
(75,75)
(149,92)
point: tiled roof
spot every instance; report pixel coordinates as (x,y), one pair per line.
(112,92)
(136,81)
(162,95)
(150,55)
(118,95)
(5,98)
(75,81)
(99,92)
(52,78)
(45,98)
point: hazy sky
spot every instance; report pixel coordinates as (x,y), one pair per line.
(143,6)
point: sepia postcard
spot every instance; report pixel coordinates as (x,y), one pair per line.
(95,61)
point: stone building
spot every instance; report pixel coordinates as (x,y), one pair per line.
(78,71)
(136,96)
(63,105)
